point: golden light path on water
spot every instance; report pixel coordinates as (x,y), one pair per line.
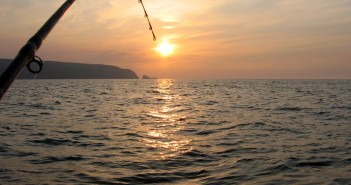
(162,134)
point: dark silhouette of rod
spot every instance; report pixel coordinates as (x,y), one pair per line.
(148,20)
(27,53)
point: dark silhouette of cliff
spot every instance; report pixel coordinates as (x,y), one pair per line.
(65,70)
(147,77)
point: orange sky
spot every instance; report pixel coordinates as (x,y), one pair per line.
(252,39)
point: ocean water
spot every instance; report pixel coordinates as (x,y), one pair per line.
(176,132)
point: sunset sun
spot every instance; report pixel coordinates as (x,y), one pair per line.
(165,49)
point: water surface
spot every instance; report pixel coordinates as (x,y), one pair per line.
(176,132)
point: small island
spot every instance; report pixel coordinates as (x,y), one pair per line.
(147,77)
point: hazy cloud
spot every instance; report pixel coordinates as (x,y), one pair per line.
(242,35)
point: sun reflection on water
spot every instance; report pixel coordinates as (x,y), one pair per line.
(163,130)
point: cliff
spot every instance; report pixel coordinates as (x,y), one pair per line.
(65,70)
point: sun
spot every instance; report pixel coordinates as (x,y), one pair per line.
(165,49)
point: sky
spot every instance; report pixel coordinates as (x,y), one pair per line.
(222,39)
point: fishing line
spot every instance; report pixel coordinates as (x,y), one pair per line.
(35,65)
(148,20)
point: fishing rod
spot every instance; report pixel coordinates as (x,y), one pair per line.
(148,20)
(26,56)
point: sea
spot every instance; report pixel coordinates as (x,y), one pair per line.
(164,131)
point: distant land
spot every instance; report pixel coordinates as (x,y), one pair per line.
(66,70)
(147,77)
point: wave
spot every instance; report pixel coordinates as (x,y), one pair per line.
(52,159)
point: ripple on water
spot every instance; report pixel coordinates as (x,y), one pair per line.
(52,159)
(167,177)
(53,142)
